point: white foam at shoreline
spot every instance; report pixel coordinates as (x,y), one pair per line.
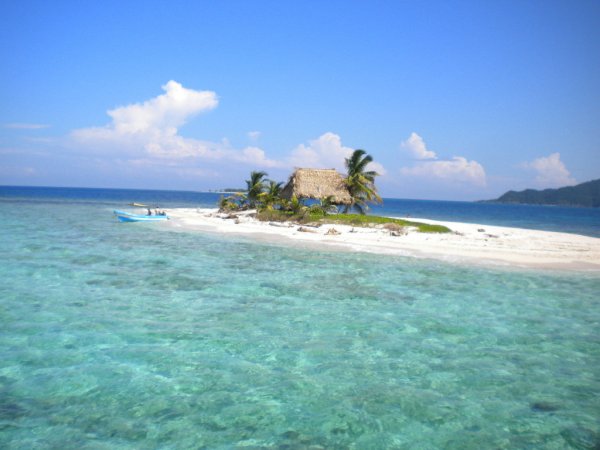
(468,243)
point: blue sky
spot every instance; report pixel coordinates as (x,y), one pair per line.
(454,100)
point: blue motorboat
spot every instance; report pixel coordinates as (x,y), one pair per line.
(130,217)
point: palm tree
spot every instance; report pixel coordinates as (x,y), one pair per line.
(325,206)
(235,202)
(361,183)
(256,186)
(271,195)
(296,206)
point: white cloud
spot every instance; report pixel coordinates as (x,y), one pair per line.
(416,145)
(150,130)
(25,126)
(458,169)
(166,112)
(326,152)
(152,126)
(147,135)
(551,172)
(257,157)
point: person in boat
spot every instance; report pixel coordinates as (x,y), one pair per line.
(149,212)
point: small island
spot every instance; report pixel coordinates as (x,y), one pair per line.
(585,194)
(317,196)
(314,210)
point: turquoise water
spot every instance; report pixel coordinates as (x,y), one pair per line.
(138,336)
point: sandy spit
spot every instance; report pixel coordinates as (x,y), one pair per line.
(468,243)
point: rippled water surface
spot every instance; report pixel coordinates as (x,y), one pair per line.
(138,336)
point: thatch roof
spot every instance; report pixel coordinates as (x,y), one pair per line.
(317,184)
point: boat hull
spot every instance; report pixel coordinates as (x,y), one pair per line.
(129,217)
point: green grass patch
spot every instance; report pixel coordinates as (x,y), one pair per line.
(357,220)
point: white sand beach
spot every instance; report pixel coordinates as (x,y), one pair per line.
(468,243)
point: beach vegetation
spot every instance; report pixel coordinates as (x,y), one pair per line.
(270,198)
(294,206)
(324,206)
(236,202)
(371,221)
(314,216)
(360,182)
(256,185)
(260,193)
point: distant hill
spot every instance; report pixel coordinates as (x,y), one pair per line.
(584,194)
(228,190)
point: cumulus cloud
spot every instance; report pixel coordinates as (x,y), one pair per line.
(151,130)
(256,156)
(153,125)
(416,145)
(327,151)
(551,172)
(166,112)
(458,169)
(146,136)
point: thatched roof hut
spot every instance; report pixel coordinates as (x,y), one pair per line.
(317,184)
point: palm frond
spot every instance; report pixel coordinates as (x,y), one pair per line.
(361,183)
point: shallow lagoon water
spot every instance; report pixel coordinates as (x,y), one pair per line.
(137,336)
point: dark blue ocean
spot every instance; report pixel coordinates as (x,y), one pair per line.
(585,221)
(144,336)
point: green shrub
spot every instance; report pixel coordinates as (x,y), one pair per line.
(358,220)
